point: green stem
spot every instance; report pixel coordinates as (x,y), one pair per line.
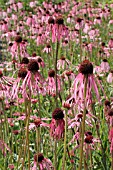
(80,41)
(83,124)
(99,137)
(27,136)
(65,138)
(56,58)
(55,155)
(38,139)
(112,160)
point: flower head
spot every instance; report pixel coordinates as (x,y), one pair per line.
(86,67)
(44,163)
(18,39)
(25,60)
(33,66)
(22,73)
(57,124)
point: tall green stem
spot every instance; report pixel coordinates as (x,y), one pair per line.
(65,138)
(56,58)
(83,124)
(27,136)
(56,101)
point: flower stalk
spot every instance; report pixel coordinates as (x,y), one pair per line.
(83,123)
(65,139)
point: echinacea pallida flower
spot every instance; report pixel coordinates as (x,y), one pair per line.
(85,69)
(57,124)
(44,163)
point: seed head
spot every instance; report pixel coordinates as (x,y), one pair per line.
(10,44)
(33,66)
(51,73)
(79,20)
(22,73)
(51,20)
(37,122)
(40,157)
(58,114)
(39,60)
(105,60)
(107,103)
(25,60)
(89,139)
(34,54)
(110,112)
(59,20)
(48,46)
(18,39)
(86,67)
(62,58)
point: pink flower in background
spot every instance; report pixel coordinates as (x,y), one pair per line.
(87,27)
(40,39)
(110,77)
(16,86)
(93,33)
(33,80)
(4,26)
(105,65)
(47,49)
(11,166)
(44,163)
(79,23)
(57,124)
(30,21)
(4,147)
(59,30)
(32,4)
(63,63)
(40,62)
(110,43)
(20,5)
(97,20)
(51,85)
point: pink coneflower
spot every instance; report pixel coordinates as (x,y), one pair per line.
(85,68)
(6,80)
(110,77)
(20,5)
(63,63)
(30,21)
(110,43)
(37,123)
(47,49)
(110,117)
(17,47)
(105,65)
(59,29)
(4,147)
(16,86)
(11,166)
(32,4)
(57,124)
(44,163)
(4,26)
(41,62)
(51,84)
(40,39)
(33,80)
